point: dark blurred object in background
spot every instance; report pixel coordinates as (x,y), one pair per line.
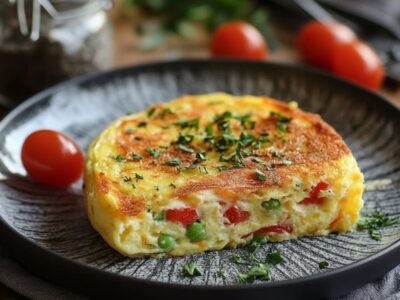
(376,21)
(41,46)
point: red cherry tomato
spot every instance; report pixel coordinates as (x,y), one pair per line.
(235,215)
(314,194)
(185,216)
(238,40)
(274,229)
(357,62)
(317,41)
(52,158)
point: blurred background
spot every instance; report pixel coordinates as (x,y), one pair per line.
(43,42)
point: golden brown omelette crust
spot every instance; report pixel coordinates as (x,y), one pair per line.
(306,147)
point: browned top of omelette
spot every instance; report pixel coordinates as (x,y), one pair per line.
(231,145)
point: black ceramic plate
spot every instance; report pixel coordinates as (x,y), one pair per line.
(47,230)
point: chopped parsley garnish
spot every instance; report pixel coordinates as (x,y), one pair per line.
(270,168)
(274,258)
(246,139)
(256,243)
(237,158)
(260,175)
(203,169)
(173,162)
(142,124)
(259,142)
(192,270)
(172,185)
(184,138)
(375,221)
(282,121)
(257,160)
(323,264)
(200,156)
(164,112)
(155,153)
(245,121)
(224,158)
(189,167)
(209,134)
(237,259)
(225,141)
(222,168)
(159,217)
(188,123)
(272,204)
(127,178)
(151,111)
(259,271)
(136,156)
(184,148)
(156,187)
(138,176)
(247,152)
(119,158)
(133,186)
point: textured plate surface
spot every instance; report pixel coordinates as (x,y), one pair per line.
(55,220)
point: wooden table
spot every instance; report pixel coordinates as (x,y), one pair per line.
(127,53)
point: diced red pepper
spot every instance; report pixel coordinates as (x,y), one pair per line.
(235,215)
(185,216)
(314,194)
(274,229)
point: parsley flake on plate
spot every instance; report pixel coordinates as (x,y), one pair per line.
(192,270)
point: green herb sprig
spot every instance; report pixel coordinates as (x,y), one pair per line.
(375,221)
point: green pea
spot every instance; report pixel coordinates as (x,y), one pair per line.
(271,204)
(166,242)
(196,232)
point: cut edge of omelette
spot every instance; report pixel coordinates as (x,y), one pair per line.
(133,202)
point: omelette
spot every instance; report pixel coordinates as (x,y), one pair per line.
(208,172)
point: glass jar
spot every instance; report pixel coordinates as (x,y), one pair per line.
(41,46)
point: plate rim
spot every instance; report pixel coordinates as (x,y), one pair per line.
(377,259)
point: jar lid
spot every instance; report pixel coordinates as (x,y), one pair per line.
(59,10)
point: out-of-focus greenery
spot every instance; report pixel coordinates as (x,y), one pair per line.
(179,16)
